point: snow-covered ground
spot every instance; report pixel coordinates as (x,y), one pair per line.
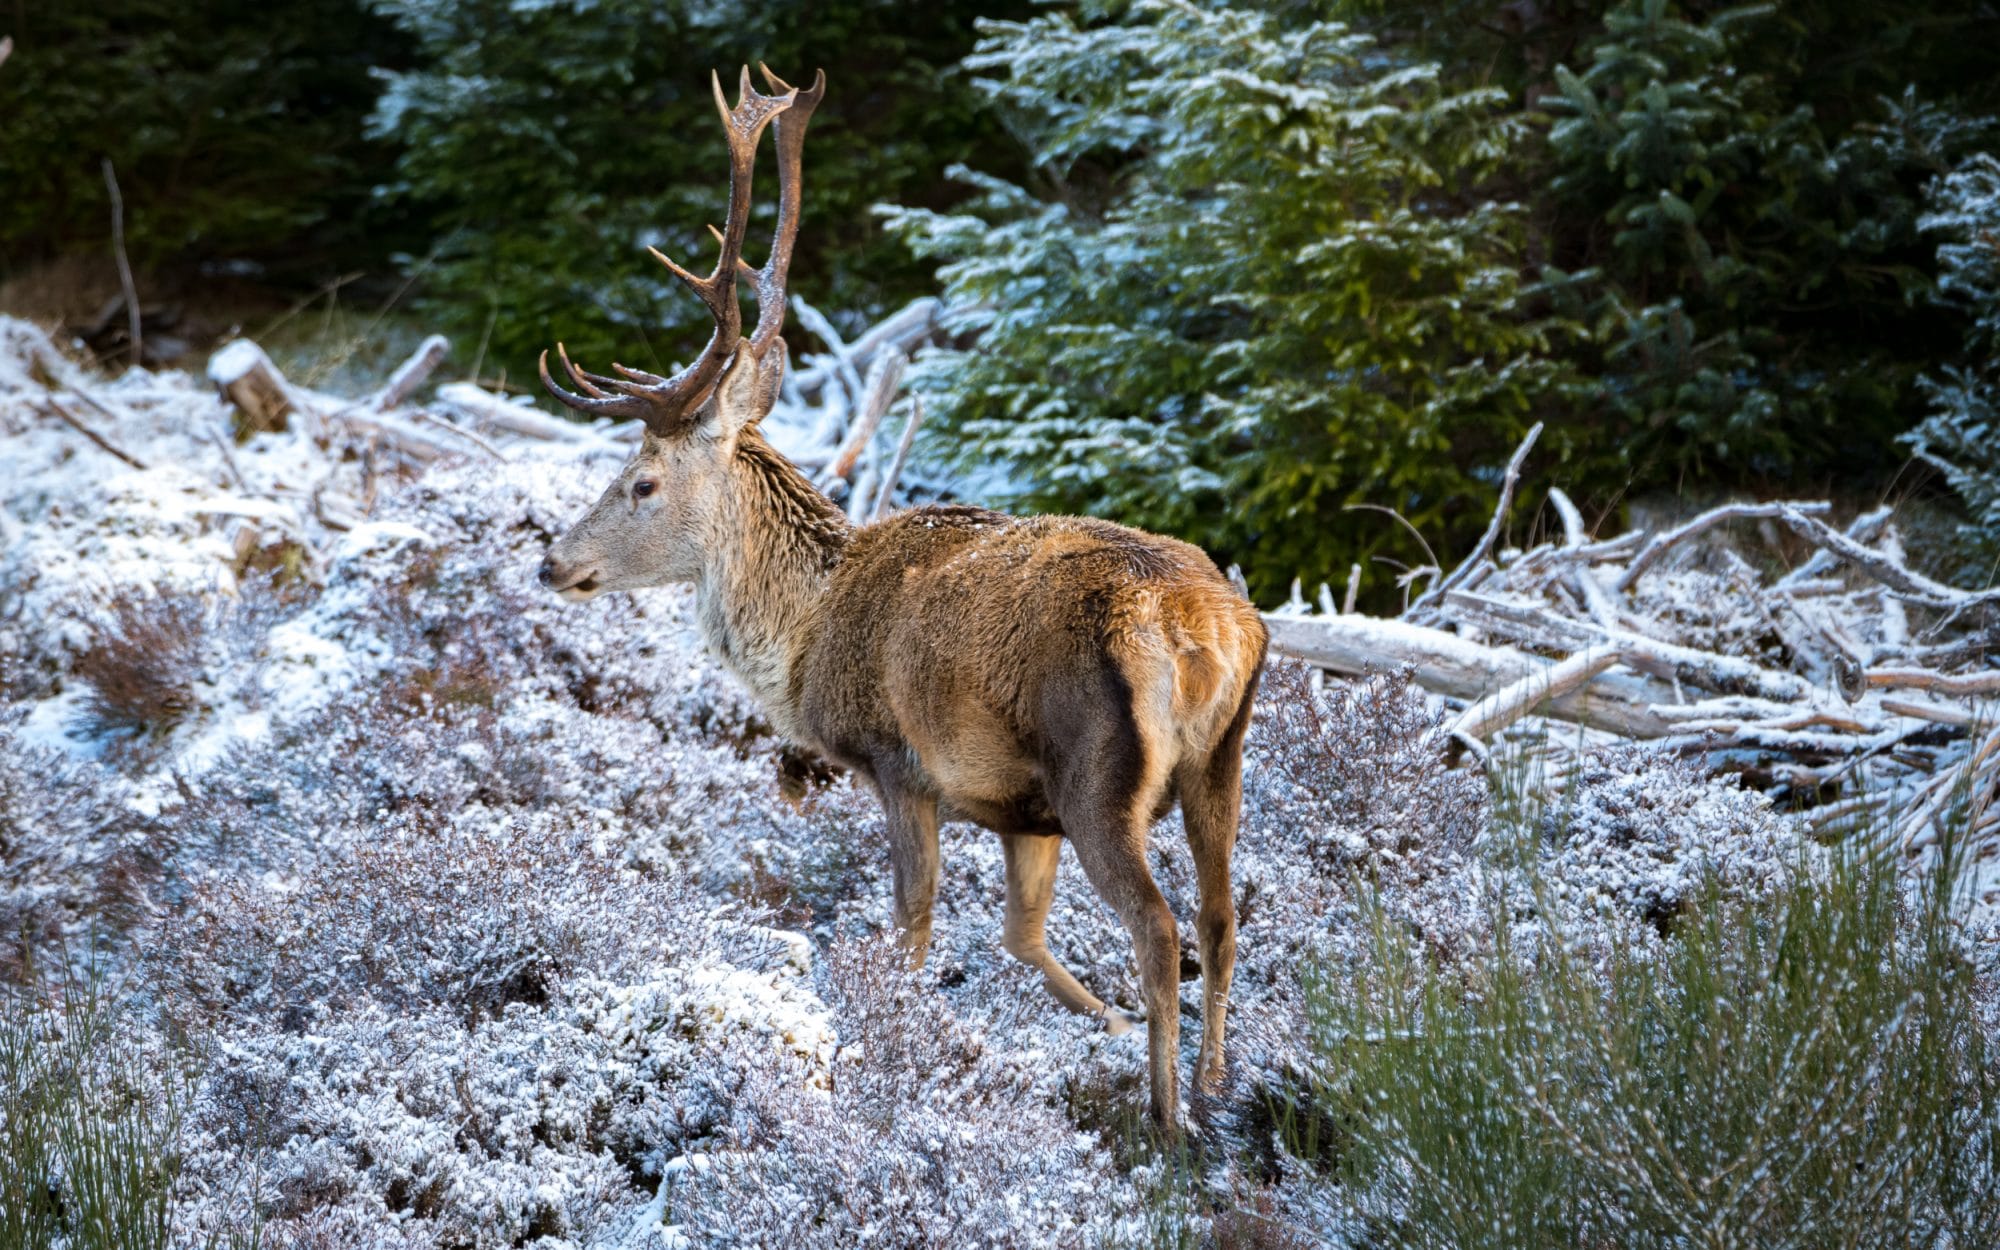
(450,914)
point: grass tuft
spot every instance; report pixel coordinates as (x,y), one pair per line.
(87,1143)
(1801,1068)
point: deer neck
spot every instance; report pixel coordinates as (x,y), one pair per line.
(759,595)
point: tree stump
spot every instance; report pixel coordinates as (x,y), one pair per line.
(245,376)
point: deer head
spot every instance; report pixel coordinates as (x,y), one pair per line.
(657,522)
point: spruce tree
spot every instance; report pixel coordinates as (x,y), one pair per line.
(1256,282)
(1961,436)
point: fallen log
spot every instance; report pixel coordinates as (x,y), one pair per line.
(411,373)
(246,378)
(520,420)
(1459,668)
(1723,674)
(1505,706)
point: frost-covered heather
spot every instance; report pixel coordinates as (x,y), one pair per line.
(464,917)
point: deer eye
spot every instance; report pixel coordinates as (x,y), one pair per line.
(643,488)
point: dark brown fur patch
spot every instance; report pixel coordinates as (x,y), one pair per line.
(794,504)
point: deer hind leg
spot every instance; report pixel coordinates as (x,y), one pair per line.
(1211,805)
(1104,787)
(912,820)
(1031,882)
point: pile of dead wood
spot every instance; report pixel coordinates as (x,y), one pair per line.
(1884,697)
(832,418)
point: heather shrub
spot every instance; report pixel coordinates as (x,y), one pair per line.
(1637,839)
(459,916)
(1348,787)
(1365,765)
(921,1135)
(477,1031)
(143,662)
(76,859)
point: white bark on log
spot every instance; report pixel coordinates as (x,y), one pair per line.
(1723,674)
(411,373)
(1447,664)
(1505,706)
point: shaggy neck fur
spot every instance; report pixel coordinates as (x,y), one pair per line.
(759,595)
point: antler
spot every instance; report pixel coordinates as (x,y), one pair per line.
(665,404)
(791,144)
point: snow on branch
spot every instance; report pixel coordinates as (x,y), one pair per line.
(1793,679)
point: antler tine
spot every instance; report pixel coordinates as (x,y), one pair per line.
(593,400)
(771,279)
(664,403)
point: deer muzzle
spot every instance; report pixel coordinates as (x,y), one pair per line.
(571,583)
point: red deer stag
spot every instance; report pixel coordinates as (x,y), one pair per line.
(1046,677)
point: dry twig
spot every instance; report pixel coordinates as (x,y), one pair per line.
(124,264)
(101,441)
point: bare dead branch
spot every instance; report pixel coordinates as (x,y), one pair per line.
(124,264)
(1505,706)
(876,397)
(411,373)
(1882,566)
(887,488)
(427,418)
(1459,575)
(1963,684)
(1659,545)
(103,443)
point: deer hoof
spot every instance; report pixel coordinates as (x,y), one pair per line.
(1117,1023)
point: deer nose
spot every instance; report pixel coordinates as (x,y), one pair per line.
(546,575)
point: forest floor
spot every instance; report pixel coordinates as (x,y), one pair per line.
(369,896)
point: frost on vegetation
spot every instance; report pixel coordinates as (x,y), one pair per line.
(478,919)
(1639,838)
(1960,436)
(75,858)
(478,1032)
(921,1135)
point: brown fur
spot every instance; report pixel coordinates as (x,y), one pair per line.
(1043,676)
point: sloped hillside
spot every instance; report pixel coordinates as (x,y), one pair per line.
(374,897)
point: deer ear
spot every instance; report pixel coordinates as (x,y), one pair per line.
(770,377)
(735,404)
(748,390)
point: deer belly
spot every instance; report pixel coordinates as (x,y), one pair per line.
(980,773)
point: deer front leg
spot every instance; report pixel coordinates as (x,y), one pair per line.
(913,858)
